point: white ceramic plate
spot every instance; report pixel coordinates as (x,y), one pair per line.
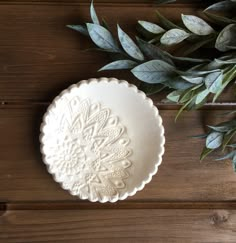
(102,139)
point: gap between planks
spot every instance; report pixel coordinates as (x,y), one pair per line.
(181,4)
(136,204)
(160,105)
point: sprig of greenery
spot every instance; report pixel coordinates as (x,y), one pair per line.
(221,137)
(194,32)
(192,80)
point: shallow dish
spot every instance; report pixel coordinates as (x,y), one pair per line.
(102,139)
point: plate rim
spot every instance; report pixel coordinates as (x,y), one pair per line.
(157,117)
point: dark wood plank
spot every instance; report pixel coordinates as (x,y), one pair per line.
(39,56)
(167,226)
(23,176)
(126,204)
(101,2)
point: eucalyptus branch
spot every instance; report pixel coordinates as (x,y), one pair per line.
(221,137)
(194,31)
(192,80)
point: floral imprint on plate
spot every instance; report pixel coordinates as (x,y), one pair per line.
(89,155)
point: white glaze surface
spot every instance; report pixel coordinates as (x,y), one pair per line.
(102,139)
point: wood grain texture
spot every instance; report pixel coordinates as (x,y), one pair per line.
(162,226)
(126,204)
(186,201)
(39,56)
(23,177)
(67,2)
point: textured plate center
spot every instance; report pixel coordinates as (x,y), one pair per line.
(88,149)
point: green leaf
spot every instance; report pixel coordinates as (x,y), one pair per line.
(155,40)
(155,71)
(120,64)
(174,36)
(228,113)
(231,47)
(213,81)
(197,45)
(187,94)
(153,52)
(150,27)
(102,37)
(196,73)
(229,61)
(129,46)
(226,38)
(167,23)
(197,106)
(224,126)
(228,137)
(174,95)
(182,109)
(193,80)
(234,163)
(188,60)
(80,28)
(93,14)
(228,77)
(220,20)
(178,83)
(201,96)
(232,145)
(150,89)
(105,24)
(214,140)
(196,68)
(197,25)
(227,156)
(196,86)
(205,152)
(213,65)
(223,6)
(192,105)
(200,136)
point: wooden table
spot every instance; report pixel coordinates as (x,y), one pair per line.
(186,201)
